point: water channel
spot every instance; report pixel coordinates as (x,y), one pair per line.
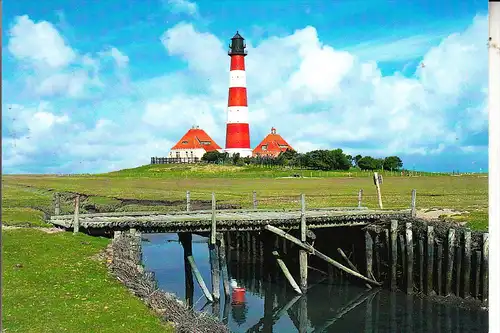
(338,306)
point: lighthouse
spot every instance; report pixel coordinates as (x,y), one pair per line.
(237,127)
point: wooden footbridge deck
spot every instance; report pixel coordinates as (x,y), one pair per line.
(226,220)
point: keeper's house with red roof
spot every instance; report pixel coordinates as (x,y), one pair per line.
(192,146)
(272,145)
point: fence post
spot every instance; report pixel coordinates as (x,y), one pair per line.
(254,200)
(413,202)
(76,219)
(188,201)
(57,203)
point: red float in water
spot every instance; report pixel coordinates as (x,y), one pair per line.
(238,296)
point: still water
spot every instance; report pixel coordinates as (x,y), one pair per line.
(327,307)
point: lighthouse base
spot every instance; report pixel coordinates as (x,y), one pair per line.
(244,152)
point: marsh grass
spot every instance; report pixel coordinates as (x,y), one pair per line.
(53,283)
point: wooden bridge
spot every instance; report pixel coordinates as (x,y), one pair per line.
(226,220)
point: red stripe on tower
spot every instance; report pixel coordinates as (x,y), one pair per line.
(237,127)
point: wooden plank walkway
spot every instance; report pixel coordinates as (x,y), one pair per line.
(228,220)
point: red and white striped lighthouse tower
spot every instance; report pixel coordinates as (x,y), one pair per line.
(237,127)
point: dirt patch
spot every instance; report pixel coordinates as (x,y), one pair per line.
(434,214)
(46,230)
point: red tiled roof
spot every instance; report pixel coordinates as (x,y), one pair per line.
(274,144)
(196,138)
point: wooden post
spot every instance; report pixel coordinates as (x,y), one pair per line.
(467,262)
(213,230)
(449,262)
(286,272)
(351,265)
(409,258)
(413,202)
(302,253)
(76,219)
(394,253)
(188,201)
(439,270)
(421,264)
(403,258)
(377,185)
(477,280)
(377,256)
(254,194)
(430,258)
(360,197)
(186,242)
(369,254)
(458,256)
(223,266)
(199,279)
(214,256)
(57,203)
(485,266)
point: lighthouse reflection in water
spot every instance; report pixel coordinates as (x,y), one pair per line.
(258,305)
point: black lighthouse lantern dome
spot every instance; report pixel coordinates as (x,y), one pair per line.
(237,46)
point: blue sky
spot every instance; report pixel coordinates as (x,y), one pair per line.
(108,85)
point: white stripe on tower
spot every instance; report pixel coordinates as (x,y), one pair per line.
(237,78)
(237,114)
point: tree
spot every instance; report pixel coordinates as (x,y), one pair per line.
(367,163)
(356,159)
(236,158)
(393,163)
(212,156)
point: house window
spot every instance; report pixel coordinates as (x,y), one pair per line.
(178,154)
(264,147)
(184,142)
(192,154)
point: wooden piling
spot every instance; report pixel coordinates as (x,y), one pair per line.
(377,257)
(477,271)
(467,263)
(188,201)
(369,254)
(76,218)
(458,260)
(403,257)
(421,259)
(214,270)
(409,258)
(223,265)
(439,269)
(485,267)
(185,239)
(414,202)
(350,264)
(199,279)
(394,253)
(430,259)
(286,272)
(449,261)
(360,198)
(302,253)
(254,201)
(213,230)
(57,203)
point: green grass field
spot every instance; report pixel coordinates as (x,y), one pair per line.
(53,283)
(25,197)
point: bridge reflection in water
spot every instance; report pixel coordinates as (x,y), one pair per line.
(330,304)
